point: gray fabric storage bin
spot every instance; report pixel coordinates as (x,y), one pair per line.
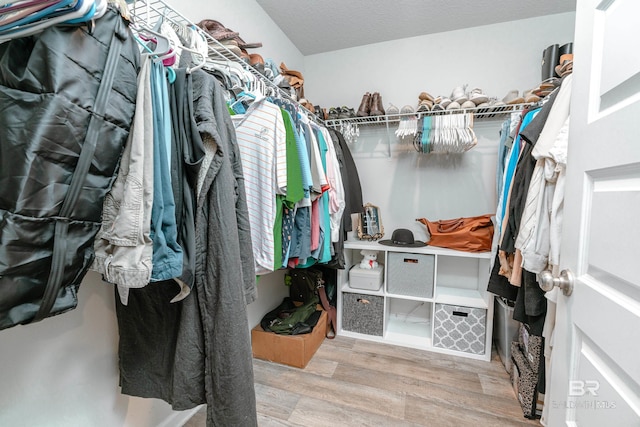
(410,274)
(362,313)
(460,328)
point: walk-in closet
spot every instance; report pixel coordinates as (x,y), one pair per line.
(349,213)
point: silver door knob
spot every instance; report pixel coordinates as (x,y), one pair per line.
(564,282)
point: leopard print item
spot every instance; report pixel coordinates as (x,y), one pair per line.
(532,347)
(525,382)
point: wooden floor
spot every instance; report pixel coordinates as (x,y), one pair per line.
(352,382)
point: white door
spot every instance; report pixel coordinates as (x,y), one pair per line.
(595,370)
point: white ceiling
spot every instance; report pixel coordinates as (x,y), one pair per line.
(317,26)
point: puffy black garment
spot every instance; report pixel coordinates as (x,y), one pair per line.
(67,98)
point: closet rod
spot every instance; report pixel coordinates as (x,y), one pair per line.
(151,11)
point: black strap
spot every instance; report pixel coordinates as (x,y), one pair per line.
(56,272)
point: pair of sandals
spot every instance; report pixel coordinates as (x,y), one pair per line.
(546,87)
(425,103)
(463,100)
(458,100)
(394,113)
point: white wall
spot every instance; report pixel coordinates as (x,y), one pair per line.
(63,371)
(407,185)
(496,58)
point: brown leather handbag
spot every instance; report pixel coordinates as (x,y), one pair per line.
(472,234)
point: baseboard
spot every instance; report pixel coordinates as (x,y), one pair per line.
(178,419)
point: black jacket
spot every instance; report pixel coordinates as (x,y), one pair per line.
(67,100)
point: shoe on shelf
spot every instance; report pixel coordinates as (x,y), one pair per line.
(530,97)
(467,104)
(445,101)
(343,112)
(407,109)
(550,83)
(438,107)
(459,95)
(320,112)
(453,106)
(425,96)
(393,111)
(478,97)
(376,105)
(365,105)
(380,107)
(306,104)
(227,46)
(333,113)
(512,97)
(486,106)
(424,105)
(565,68)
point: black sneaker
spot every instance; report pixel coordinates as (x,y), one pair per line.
(344,113)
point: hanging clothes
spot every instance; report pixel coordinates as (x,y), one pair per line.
(324,249)
(167,253)
(532,205)
(300,246)
(518,188)
(319,186)
(295,193)
(187,154)
(216,128)
(353,194)
(336,188)
(221,284)
(503,149)
(123,246)
(261,137)
(54,178)
(535,239)
(198,350)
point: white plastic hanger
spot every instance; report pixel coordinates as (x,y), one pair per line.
(195,53)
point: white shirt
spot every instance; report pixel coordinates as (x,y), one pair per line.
(262,141)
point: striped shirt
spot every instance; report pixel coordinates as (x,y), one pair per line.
(262,141)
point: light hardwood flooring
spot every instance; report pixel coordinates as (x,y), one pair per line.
(351,382)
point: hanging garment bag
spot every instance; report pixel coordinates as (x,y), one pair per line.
(68,99)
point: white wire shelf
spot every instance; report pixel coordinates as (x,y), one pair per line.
(150,11)
(489,112)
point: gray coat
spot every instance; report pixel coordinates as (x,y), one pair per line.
(225,278)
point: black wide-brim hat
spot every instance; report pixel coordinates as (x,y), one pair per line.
(403,238)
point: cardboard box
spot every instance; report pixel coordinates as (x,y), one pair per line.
(292,350)
(360,278)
